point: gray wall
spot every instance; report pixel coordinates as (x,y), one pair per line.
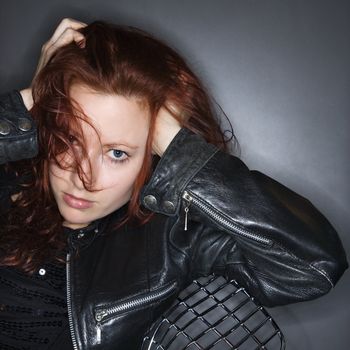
(280,71)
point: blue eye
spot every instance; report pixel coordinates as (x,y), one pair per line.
(118,156)
(118,153)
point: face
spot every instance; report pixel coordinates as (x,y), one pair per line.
(116,159)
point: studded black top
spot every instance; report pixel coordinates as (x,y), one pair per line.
(33,309)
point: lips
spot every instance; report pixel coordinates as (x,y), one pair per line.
(76,203)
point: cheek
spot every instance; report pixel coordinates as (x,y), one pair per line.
(118,188)
(55,175)
(123,176)
(59,179)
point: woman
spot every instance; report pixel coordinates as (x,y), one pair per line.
(124,175)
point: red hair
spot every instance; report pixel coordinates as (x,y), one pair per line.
(115,60)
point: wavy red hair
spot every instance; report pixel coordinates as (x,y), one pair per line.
(115,60)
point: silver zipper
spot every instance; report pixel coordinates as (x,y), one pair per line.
(187,209)
(69,304)
(190,198)
(101,314)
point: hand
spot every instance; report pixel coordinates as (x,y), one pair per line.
(65,33)
(167,126)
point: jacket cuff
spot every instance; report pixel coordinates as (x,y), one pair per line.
(184,157)
(18,133)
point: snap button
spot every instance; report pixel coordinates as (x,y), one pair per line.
(4,128)
(24,124)
(150,201)
(42,272)
(169,207)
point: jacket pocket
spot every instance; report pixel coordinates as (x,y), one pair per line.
(219,218)
(104,313)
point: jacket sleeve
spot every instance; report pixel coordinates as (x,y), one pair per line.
(267,237)
(18,140)
(18,133)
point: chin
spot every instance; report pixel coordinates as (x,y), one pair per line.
(75,224)
(76,218)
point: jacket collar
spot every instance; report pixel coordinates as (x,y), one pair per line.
(83,237)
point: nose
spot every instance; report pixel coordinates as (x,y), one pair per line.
(88,171)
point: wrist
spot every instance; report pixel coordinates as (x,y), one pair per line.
(27,98)
(164,139)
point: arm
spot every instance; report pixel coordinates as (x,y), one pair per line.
(18,140)
(270,239)
(18,134)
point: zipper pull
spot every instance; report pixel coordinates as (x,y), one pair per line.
(188,199)
(99,317)
(98,334)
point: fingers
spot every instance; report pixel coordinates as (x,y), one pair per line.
(66,23)
(65,33)
(65,38)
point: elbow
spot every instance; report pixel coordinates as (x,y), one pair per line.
(319,280)
(295,282)
(331,269)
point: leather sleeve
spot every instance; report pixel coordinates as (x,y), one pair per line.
(267,237)
(18,140)
(18,133)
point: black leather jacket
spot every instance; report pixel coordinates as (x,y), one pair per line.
(239,223)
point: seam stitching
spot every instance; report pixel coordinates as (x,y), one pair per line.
(324,274)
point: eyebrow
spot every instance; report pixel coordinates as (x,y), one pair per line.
(115,145)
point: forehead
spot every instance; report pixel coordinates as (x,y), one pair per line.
(114,117)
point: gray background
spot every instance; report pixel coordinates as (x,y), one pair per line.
(280,71)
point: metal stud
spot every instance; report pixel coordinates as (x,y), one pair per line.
(81,235)
(169,207)
(24,124)
(42,272)
(4,128)
(150,201)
